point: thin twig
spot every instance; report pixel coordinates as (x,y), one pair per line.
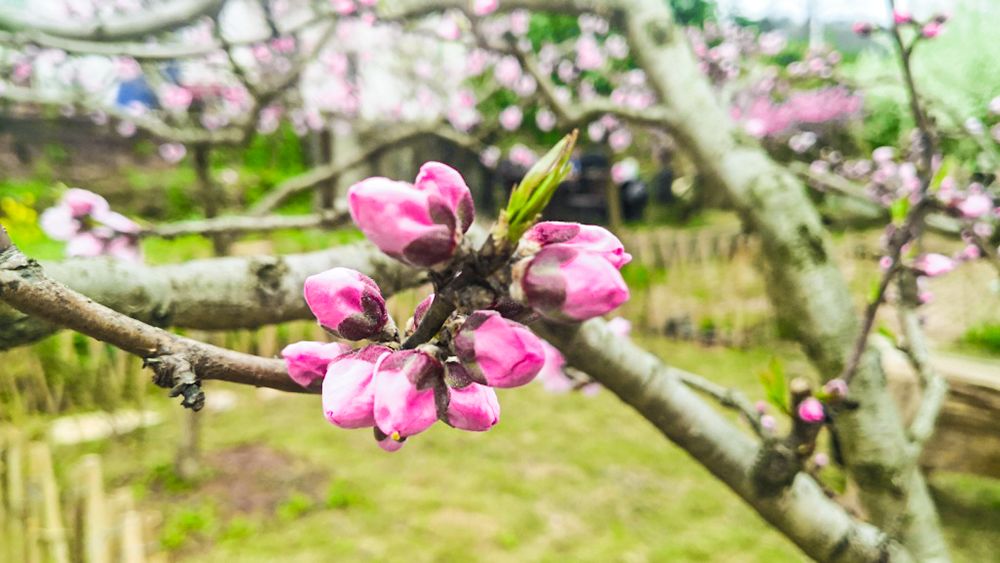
(726,396)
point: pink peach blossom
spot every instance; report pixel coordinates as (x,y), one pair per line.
(811,410)
(307,361)
(425,228)
(349,388)
(485,7)
(347,303)
(933,264)
(498,352)
(474,407)
(586,238)
(404,401)
(568,284)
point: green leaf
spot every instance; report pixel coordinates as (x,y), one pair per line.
(899,209)
(775,386)
(873,290)
(530,197)
(948,164)
(887,332)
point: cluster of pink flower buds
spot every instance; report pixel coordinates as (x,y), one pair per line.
(563,271)
(401,393)
(85,221)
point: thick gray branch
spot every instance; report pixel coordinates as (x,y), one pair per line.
(178,362)
(211,294)
(148,121)
(242,224)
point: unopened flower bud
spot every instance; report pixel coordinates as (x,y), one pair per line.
(975,206)
(420,224)
(811,410)
(442,181)
(347,303)
(404,393)
(566,284)
(498,352)
(863,29)
(589,238)
(767,422)
(836,388)
(307,361)
(473,407)
(933,264)
(821,460)
(932,29)
(348,389)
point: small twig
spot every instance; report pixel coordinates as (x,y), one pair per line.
(573,115)
(727,397)
(315,176)
(935,387)
(242,224)
(914,222)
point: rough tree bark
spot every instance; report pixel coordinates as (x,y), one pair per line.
(210,294)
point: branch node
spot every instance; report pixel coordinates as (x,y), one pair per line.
(175,372)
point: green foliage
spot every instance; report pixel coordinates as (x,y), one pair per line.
(166,478)
(239,528)
(693,12)
(344,494)
(984,337)
(775,385)
(188,523)
(530,197)
(295,506)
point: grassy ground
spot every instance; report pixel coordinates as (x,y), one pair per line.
(562,478)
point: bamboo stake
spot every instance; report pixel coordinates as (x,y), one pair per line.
(54,533)
(90,479)
(14,463)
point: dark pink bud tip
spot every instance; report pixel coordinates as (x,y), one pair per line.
(347,303)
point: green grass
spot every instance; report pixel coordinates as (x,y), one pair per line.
(561,478)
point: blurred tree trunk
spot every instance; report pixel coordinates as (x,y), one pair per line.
(210,192)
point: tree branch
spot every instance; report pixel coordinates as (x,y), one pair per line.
(308,180)
(935,387)
(574,115)
(242,224)
(161,16)
(211,294)
(819,526)
(147,122)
